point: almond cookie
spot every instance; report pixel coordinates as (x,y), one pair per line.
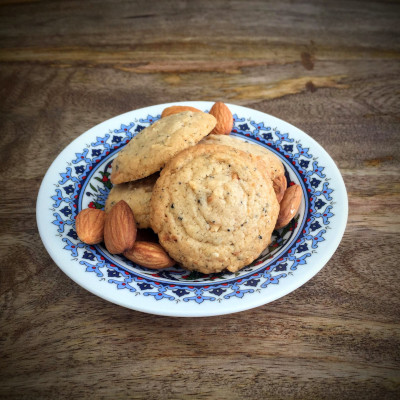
(155,145)
(214,208)
(274,165)
(138,195)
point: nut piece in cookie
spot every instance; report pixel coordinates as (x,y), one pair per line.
(155,145)
(214,208)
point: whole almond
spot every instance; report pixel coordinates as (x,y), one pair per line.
(289,205)
(224,119)
(89,225)
(177,109)
(280,185)
(119,228)
(150,255)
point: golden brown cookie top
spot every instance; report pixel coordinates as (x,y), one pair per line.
(214,208)
(274,165)
(155,145)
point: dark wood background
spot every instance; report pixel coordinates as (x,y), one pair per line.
(332,68)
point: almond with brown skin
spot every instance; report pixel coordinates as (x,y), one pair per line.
(89,225)
(280,185)
(224,119)
(177,109)
(119,228)
(150,255)
(289,205)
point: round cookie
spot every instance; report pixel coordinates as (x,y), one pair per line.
(274,165)
(155,145)
(138,195)
(214,208)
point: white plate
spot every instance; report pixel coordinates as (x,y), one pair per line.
(78,178)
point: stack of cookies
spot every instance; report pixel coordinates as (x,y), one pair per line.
(213,199)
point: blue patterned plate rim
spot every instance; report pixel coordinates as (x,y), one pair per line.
(79,178)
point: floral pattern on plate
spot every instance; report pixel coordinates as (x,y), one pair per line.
(79,178)
(85,183)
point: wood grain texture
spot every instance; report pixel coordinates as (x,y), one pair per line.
(330,68)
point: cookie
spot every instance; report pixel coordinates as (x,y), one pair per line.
(155,145)
(138,195)
(214,208)
(274,165)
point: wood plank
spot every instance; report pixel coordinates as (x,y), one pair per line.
(329,68)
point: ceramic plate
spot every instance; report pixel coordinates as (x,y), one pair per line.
(80,178)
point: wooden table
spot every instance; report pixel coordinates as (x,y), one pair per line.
(330,68)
